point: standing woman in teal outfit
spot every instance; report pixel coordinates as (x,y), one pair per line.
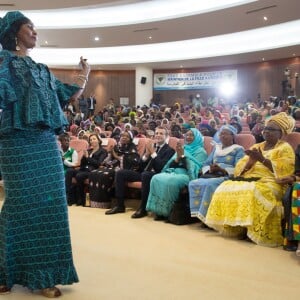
(179,170)
(35,246)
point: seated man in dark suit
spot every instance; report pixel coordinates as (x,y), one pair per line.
(157,153)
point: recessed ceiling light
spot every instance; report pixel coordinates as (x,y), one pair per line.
(265,18)
(150,37)
(46,42)
(263,59)
(96,38)
(294,54)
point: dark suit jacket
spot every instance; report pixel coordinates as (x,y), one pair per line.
(89,102)
(93,163)
(163,155)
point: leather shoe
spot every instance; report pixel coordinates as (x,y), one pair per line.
(140,213)
(4,290)
(115,210)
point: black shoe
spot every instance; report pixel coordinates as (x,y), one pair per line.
(160,218)
(115,210)
(140,213)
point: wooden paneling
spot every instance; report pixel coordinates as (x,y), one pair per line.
(263,78)
(104,84)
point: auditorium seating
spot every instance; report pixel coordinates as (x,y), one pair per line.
(245,139)
(293,139)
(79,145)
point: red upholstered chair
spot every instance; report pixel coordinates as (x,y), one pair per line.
(208,144)
(245,139)
(293,139)
(108,143)
(173,142)
(141,145)
(79,145)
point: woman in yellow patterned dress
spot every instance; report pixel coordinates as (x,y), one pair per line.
(250,203)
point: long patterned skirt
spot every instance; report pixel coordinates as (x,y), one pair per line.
(292,218)
(237,205)
(200,192)
(35,247)
(164,192)
(100,187)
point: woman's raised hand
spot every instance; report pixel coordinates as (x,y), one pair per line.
(85,66)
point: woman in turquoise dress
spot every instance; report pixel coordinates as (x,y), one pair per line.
(35,246)
(179,170)
(216,169)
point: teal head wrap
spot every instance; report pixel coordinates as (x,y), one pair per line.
(197,143)
(7,21)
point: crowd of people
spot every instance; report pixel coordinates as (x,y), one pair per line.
(236,191)
(233,190)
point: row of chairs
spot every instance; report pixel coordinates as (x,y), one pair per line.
(244,139)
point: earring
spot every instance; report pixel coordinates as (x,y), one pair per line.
(17,46)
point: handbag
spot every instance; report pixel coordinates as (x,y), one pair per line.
(180,213)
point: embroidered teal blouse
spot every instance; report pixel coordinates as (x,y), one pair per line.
(30,95)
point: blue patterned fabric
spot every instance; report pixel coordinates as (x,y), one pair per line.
(35,248)
(36,97)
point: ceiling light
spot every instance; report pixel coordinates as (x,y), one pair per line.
(132,13)
(96,38)
(287,34)
(263,59)
(265,18)
(150,37)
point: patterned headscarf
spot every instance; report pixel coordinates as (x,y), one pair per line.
(231,128)
(7,21)
(284,121)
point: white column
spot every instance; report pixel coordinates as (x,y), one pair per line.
(143,85)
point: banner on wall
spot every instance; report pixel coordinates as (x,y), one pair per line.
(197,80)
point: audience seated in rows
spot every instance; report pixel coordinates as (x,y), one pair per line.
(124,155)
(250,203)
(184,118)
(157,153)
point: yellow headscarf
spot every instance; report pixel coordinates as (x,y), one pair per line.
(284,121)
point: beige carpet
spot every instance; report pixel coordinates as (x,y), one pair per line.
(121,258)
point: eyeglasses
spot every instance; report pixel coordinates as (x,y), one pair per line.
(270,129)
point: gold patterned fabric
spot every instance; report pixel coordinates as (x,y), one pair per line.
(255,205)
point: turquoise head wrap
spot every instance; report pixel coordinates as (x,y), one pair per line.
(197,143)
(7,21)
